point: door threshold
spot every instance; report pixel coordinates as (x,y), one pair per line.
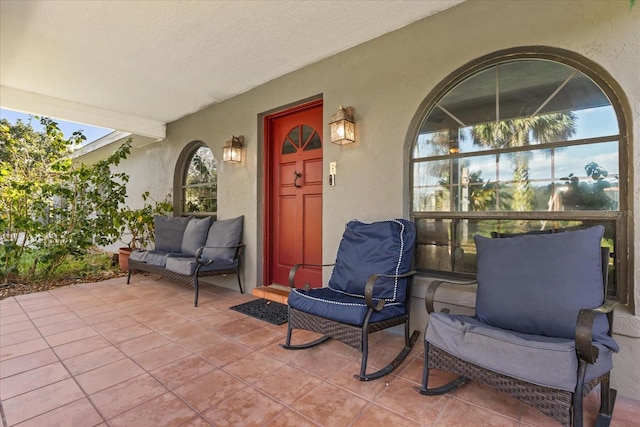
(274,292)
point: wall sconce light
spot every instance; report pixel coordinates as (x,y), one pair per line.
(454,148)
(343,127)
(232,151)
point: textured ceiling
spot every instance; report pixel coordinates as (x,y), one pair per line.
(162,60)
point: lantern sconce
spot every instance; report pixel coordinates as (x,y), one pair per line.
(232,151)
(454,147)
(343,127)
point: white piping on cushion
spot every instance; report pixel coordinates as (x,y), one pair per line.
(355,304)
(395,286)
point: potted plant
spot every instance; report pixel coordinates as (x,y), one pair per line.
(136,226)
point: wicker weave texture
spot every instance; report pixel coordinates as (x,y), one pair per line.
(552,402)
(349,334)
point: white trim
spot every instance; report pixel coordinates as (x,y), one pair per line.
(33,103)
(99,143)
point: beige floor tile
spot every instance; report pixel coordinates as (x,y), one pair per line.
(108,375)
(116,336)
(126,395)
(40,401)
(208,390)
(27,362)
(248,408)
(330,405)
(142,343)
(19,337)
(70,336)
(287,384)
(165,410)
(458,413)
(400,396)
(23,348)
(290,418)
(32,379)
(51,320)
(75,348)
(160,356)
(375,415)
(253,367)
(78,413)
(15,327)
(92,360)
(181,372)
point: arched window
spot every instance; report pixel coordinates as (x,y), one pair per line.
(198,181)
(520,141)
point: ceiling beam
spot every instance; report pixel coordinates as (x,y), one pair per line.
(42,105)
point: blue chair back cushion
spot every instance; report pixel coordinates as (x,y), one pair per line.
(222,236)
(195,235)
(381,247)
(169,232)
(537,284)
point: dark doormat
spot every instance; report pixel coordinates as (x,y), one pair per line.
(263,309)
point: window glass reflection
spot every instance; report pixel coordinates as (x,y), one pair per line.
(448,244)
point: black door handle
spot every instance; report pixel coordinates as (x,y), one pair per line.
(295,180)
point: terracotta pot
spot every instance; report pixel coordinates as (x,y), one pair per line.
(123,258)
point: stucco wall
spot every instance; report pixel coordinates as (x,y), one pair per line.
(386,80)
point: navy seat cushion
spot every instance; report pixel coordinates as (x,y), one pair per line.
(385,247)
(537,284)
(169,232)
(222,236)
(195,235)
(550,361)
(327,303)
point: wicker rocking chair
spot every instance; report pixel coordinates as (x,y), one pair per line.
(369,290)
(542,329)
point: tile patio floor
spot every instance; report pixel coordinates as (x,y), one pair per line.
(108,354)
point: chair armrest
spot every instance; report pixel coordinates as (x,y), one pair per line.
(294,269)
(203,261)
(368,288)
(430,295)
(584,336)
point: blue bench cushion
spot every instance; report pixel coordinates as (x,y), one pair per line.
(223,234)
(187,265)
(156,258)
(138,255)
(537,284)
(381,247)
(327,303)
(195,235)
(546,361)
(169,232)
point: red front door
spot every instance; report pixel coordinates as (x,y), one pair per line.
(295,173)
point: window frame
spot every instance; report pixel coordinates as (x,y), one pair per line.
(180,174)
(623,259)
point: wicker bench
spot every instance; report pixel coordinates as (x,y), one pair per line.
(188,249)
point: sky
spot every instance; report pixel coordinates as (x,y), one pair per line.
(68,128)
